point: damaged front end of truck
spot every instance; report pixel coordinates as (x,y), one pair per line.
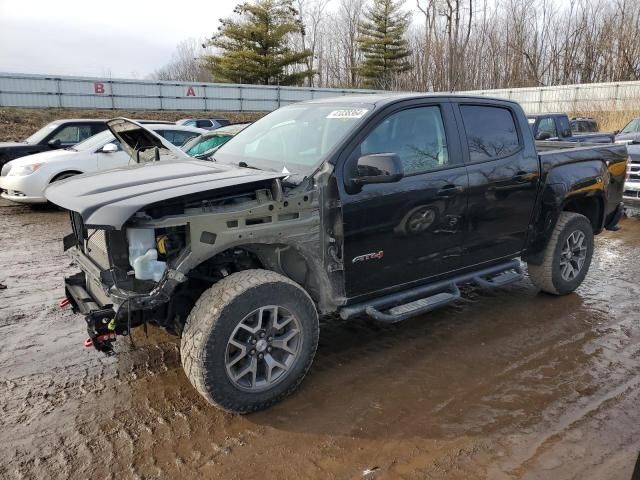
(150,238)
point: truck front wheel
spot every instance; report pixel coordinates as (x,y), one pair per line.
(250,340)
(567,256)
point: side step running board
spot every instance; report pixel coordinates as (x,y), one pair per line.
(400,306)
(417,307)
(504,278)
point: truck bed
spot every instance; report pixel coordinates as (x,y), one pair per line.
(572,151)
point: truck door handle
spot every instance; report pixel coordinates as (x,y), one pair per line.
(521,177)
(449,191)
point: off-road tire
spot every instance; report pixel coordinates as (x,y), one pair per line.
(213,320)
(547,276)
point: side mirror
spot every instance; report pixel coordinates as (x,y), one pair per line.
(615,132)
(55,143)
(378,168)
(543,136)
(109,148)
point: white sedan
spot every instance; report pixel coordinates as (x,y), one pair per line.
(24,180)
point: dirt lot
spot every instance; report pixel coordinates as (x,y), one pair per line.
(506,385)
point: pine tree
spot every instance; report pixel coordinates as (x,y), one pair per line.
(382,41)
(255,45)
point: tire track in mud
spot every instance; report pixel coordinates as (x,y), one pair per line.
(507,384)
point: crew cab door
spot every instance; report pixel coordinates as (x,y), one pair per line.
(504,176)
(403,232)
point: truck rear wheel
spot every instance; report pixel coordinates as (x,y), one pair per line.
(250,340)
(567,256)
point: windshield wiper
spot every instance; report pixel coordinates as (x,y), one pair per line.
(245,165)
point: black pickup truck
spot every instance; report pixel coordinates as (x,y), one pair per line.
(557,127)
(379,206)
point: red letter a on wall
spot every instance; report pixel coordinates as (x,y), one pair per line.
(191,92)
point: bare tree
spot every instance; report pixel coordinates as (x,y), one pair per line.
(186,64)
(468,44)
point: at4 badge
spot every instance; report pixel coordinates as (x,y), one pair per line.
(369,256)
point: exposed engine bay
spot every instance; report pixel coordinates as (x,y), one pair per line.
(157,265)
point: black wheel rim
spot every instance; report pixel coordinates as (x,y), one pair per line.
(573,255)
(263,348)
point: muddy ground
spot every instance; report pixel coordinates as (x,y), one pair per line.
(506,385)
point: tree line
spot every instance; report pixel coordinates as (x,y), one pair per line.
(418,45)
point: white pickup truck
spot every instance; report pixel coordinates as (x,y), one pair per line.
(631,195)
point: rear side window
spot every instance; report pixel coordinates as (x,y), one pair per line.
(177,137)
(491,132)
(203,123)
(563,125)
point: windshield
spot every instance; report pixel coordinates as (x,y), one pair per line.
(95,142)
(201,145)
(293,139)
(41,134)
(632,126)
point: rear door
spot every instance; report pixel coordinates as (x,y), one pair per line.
(504,176)
(403,232)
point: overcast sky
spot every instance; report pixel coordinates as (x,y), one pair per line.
(123,38)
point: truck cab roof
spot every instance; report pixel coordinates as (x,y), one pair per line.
(383,99)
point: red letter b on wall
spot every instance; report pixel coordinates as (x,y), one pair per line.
(98,87)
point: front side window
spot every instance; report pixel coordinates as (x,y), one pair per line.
(491,132)
(72,134)
(416,135)
(547,125)
(96,142)
(203,123)
(632,127)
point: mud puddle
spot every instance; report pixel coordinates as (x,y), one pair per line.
(508,384)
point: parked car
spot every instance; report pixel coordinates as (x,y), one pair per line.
(205,145)
(632,184)
(293,218)
(556,127)
(630,133)
(24,180)
(206,123)
(584,125)
(57,134)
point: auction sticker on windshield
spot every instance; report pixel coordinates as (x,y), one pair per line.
(348,113)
